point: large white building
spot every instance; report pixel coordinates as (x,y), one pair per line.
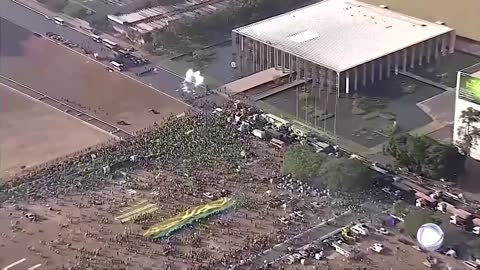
(468,96)
(340,45)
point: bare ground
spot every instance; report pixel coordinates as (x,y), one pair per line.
(87,85)
(32,132)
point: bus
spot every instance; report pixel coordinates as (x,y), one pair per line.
(117,66)
(109,44)
(277,143)
(275,120)
(96,38)
(59,21)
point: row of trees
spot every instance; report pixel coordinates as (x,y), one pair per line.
(337,174)
(425,156)
(205,30)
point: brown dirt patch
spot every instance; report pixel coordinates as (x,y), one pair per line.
(32,132)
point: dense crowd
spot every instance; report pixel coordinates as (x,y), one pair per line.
(173,145)
(189,146)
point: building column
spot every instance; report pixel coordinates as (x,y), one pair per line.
(397,60)
(290,63)
(297,63)
(405,60)
(241,56)
(355,79)
(372,73)
(443,47)
(249,55)
(275,58)
(429,50)
(254,55)
(420,56)
(235,50)
(451,45)
(380,68)
(364,75)
(260,56)
(268,57)
(389,65)
(347,83)
(412,57)
(283,61)
(435,47)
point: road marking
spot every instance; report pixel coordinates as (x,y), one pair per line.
(13,264)
(34,267)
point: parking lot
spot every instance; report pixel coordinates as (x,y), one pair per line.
(379,249)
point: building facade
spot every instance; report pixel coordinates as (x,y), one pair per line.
(468,96)
(339,45)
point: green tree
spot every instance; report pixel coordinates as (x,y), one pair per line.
(399,208)
(302,161)
(468,132)
(55,5)
(426,156)
(343,174)
(397,148)
(417,218)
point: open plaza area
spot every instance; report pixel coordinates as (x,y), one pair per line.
(134,136)
(34,133)
(110,208)
(81,82)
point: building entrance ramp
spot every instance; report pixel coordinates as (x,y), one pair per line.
(278,89)
(253,81)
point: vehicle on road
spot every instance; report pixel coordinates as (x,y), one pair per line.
(96,38)
(109,44)
(117,66)
(382,231)
(59,21)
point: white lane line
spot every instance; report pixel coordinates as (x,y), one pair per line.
(13,264)
(121,73)
(34,267)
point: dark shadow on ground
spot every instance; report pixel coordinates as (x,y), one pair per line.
(444,70)
(12,37)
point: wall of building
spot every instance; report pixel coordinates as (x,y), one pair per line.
(401,61)
(460,106)
(462,15)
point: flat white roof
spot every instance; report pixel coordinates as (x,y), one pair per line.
(342,34)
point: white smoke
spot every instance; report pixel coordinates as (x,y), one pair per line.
(192,80)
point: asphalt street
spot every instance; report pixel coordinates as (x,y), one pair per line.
(162,80)
(368,213)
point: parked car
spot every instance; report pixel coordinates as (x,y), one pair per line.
(382,231)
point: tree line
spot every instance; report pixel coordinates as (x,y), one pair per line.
(427,157)
(336,174)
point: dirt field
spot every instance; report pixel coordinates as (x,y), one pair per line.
(83,229)
(82,83)
(33,133)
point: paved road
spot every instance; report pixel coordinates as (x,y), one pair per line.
(320,232)
(163,80)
